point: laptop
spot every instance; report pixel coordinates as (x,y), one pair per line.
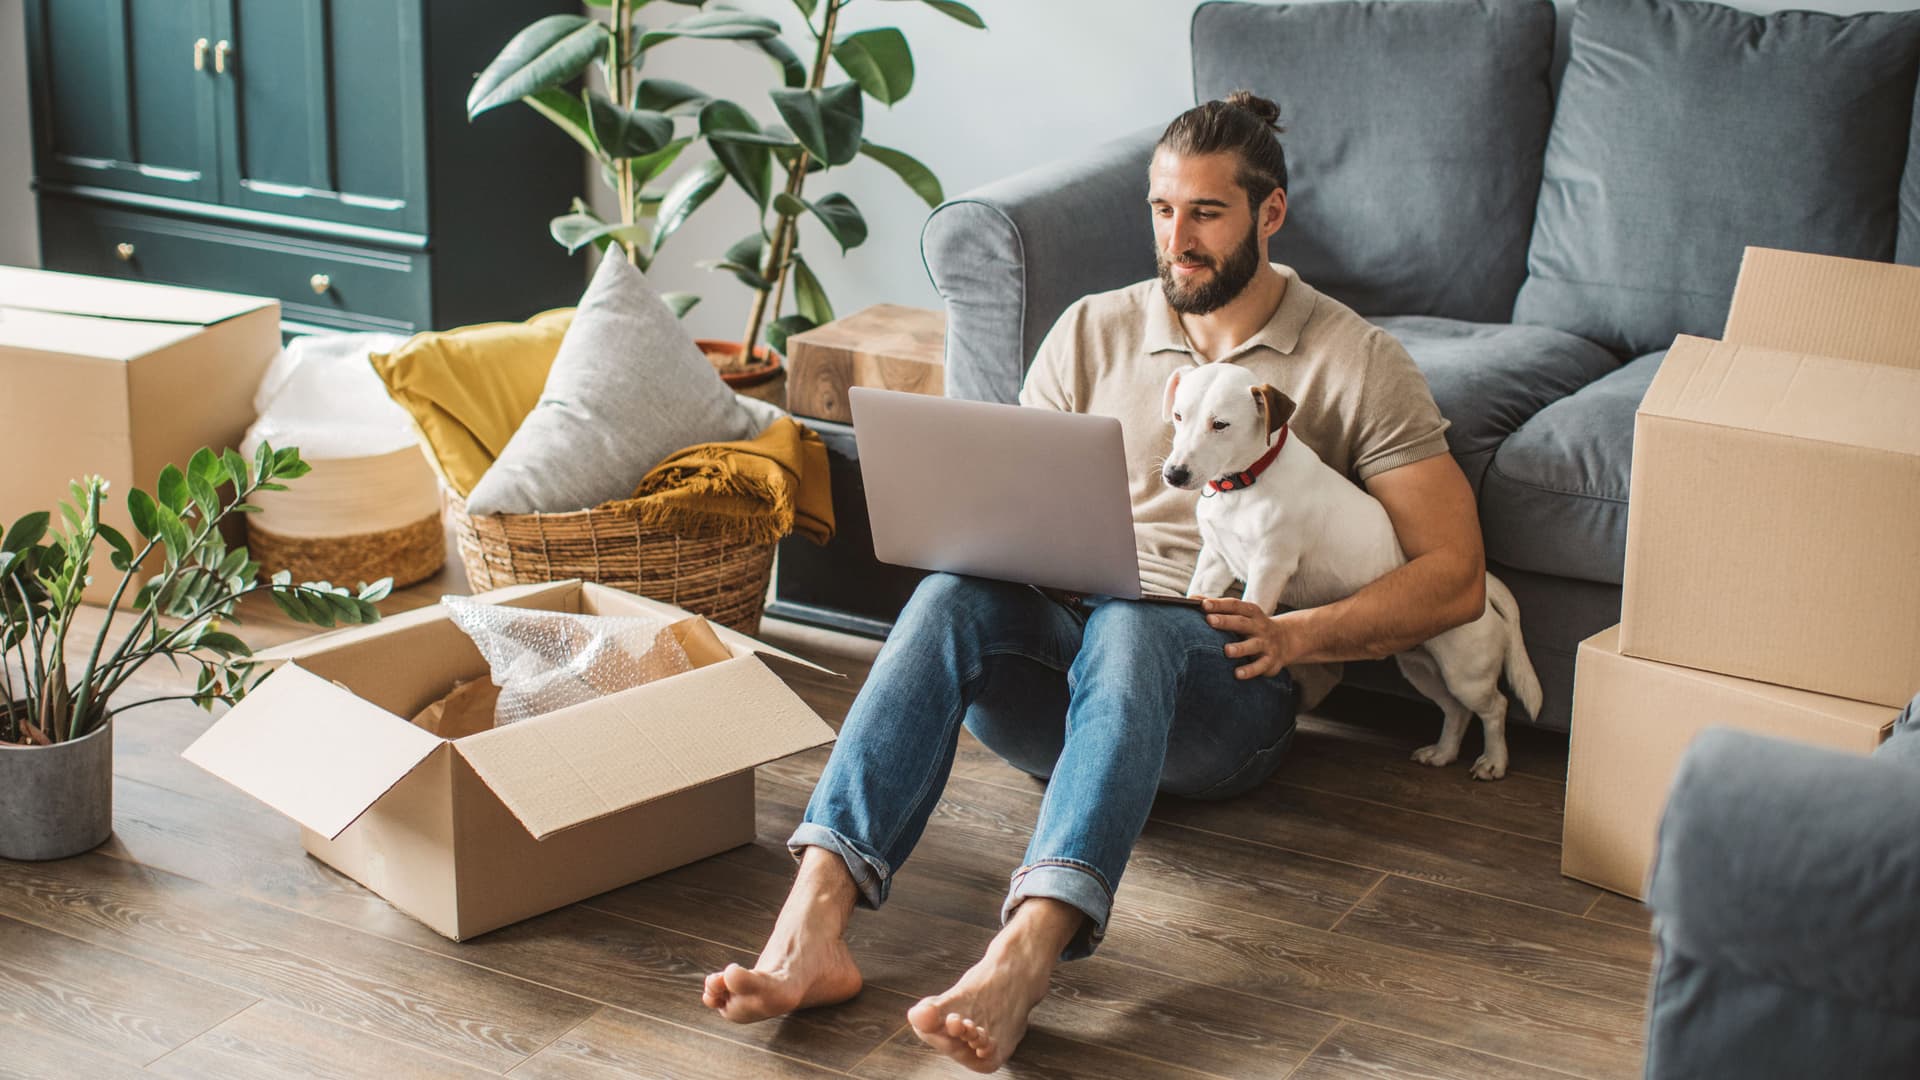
(1032,496)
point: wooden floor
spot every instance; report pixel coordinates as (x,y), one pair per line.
(1358,916)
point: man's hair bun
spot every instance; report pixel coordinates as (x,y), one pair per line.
(1267,111)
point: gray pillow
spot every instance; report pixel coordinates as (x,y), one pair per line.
(1909,245)
(628,388)
(1688,131)
(1414,136)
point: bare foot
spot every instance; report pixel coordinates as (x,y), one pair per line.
(805,962)
(981,1019)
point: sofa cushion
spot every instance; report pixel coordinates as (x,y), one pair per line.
(1555,498)
(1907,248)
(1489,378)
(1414,134)
(1687,131)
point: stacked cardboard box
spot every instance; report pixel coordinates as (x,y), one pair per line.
(1773,547)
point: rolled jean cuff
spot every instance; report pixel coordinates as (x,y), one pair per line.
(1070,882)
(871,874)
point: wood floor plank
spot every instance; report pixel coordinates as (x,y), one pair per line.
(616,1045)
(1621,911)
(1394,720)
(1326,761)
(113,1003)
(36,1053)
(272,1042)
(1042,1055)
(1364,1052)
(1547,947)
(360,981)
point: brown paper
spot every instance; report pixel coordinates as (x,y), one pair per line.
(467,708)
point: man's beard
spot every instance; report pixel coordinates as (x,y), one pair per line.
(1226,282)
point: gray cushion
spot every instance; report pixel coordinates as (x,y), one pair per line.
(1686,132)
(1907,250)
(1489,378)
(1555,498)
(1414,137)
(627,388)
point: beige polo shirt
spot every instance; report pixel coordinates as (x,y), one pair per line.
(1363,405)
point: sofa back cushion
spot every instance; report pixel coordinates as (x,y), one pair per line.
(1908,249)
(1415,130)
(1688,131)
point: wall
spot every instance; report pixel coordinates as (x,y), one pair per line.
(1047,79)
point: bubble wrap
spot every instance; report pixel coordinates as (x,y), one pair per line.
(548,660)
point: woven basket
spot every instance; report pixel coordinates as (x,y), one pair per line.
(724,580)
(409,554)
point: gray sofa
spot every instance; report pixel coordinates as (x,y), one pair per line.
(1783,903)
(1535,243)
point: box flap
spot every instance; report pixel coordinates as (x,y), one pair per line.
(329,639)
(587,761)
(1827,306)
(739,643)
(529,595)
(109,298)
(1863,714)
(311,750)
(78,335)
(1822,398)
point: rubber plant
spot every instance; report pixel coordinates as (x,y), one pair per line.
(583,74)
(179,613)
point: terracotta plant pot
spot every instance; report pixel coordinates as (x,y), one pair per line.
(57,800)
(761,379)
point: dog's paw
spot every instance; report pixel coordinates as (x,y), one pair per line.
(1487,768)
(1435,755)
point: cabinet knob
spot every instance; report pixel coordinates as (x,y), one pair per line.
(124,251)
(200,55)
(320,282)
(221,52)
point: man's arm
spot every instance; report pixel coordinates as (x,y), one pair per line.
(1443,584)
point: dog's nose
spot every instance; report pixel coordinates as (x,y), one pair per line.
(1177,475)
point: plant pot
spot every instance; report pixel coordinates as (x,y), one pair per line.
(764,378)
(57,800)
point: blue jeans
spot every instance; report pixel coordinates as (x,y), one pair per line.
(1109,700)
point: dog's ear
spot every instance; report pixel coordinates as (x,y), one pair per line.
(1166,404)
(1274,405)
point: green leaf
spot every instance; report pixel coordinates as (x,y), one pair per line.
(917,176)
(749,165)
(722,25)
(205,464)
(567,112)
(173,534)
(777,139)
(746,275)
(680,302)
(648,166)
(574,231)
(793,73)
(669,96)
(223,643)
(805,6)
(837,212)
(263,458)
(235,561)
(953,9)
(235,468)
(377,591)
(694,187)
(880,61)
(172,489)
(808,296)
(827,122)
(624,132)
(784,327)
(27,531)
(749,250)
(547,53)
(122,550)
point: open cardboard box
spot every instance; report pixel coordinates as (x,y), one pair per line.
(473,833)
(1776,485)
(119,378)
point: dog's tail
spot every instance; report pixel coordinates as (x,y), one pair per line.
(1519,668)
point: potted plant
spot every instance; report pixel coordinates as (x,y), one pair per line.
(57,689)
(638,128)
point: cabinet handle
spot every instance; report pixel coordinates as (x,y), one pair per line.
(320,282)
(124,251)
(200,55)
(221,52)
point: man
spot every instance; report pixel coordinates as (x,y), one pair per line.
(1115,700)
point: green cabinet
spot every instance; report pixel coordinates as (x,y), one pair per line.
(200,141)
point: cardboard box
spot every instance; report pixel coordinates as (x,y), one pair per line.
(1632,719)
(886,345)
(119,378)
(473,833)
(1776,486)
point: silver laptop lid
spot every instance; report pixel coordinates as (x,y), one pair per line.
(1000,491)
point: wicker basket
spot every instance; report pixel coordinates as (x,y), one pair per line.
(724,580)
(409,554)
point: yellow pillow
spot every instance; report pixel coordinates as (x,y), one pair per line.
(469,388)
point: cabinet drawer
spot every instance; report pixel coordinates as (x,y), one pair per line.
(324,284)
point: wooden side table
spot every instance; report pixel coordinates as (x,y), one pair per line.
(840,585)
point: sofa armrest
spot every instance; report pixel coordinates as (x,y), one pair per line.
(1009,257)
(1786,901)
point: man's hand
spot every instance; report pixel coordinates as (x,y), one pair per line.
(1269,641)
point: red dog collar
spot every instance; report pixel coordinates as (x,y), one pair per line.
(1245,479)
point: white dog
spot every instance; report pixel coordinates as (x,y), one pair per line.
(1297,532)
